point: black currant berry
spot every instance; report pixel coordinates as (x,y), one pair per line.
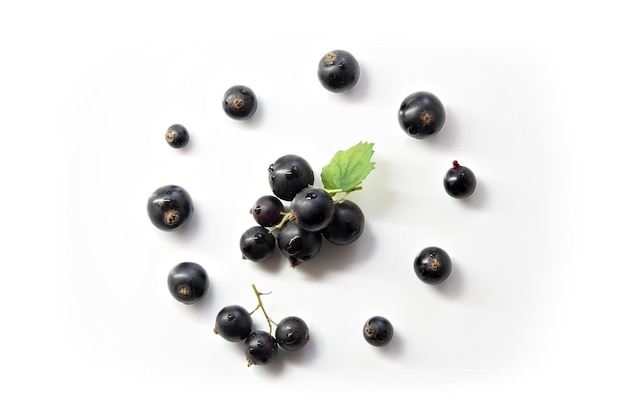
(378,331)
(257,244)
(292,333)
(260,348)
(459,181)
(177,136)
(288,175)
(312,209)
(188,282)
(170,207)
(346,225)
(421,115)
(298,244)
(268,210)
(239,102)
(432,265)
(338,71)
(233,323)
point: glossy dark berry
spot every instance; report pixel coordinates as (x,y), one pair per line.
(312,208)
(292,333)
(338,71)
(459,181)
(177,136)
(188,282)
(298,244)
(257,244)
(268,210)
(288,175)
(260,348)
(170,207)
(378,331)
(347,223)
(233,323)
(421,115)
(432,265)
(239,102)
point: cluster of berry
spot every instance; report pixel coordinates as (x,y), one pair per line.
(234,323)
(313,213)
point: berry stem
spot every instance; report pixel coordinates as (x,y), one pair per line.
(333,192)
(270,321)
(287,216)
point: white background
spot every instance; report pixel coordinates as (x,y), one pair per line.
(529,323)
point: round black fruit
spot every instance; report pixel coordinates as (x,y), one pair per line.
(188,282)
(177,136)
(233,323)
(338,71)
(459,181)
(268,210)
(312,208)
(170,208)
(421,115)
(346,225)
(288,175)
(378,331)
(239,102)
(257,244)
(298,244)
(260,348)
(292,333)
(432,265)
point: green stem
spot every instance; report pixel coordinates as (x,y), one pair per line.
(334,192)
(286,217)
(352,189)
(258,295)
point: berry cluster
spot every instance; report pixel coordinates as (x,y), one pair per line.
(235,324)
(298,216)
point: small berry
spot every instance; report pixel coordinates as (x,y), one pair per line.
(257,243)
(459,181)
(338,71)
(292,333)
(346,225)
(177,136)
(233,323)
(170,208)
(268,210)
(432,265)
(288,175)
(421,115)
(312,208)
(239,102)
(378,331)
(260,348)
(188,282)
(298,244)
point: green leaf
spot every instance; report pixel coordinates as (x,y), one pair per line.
(348,168)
